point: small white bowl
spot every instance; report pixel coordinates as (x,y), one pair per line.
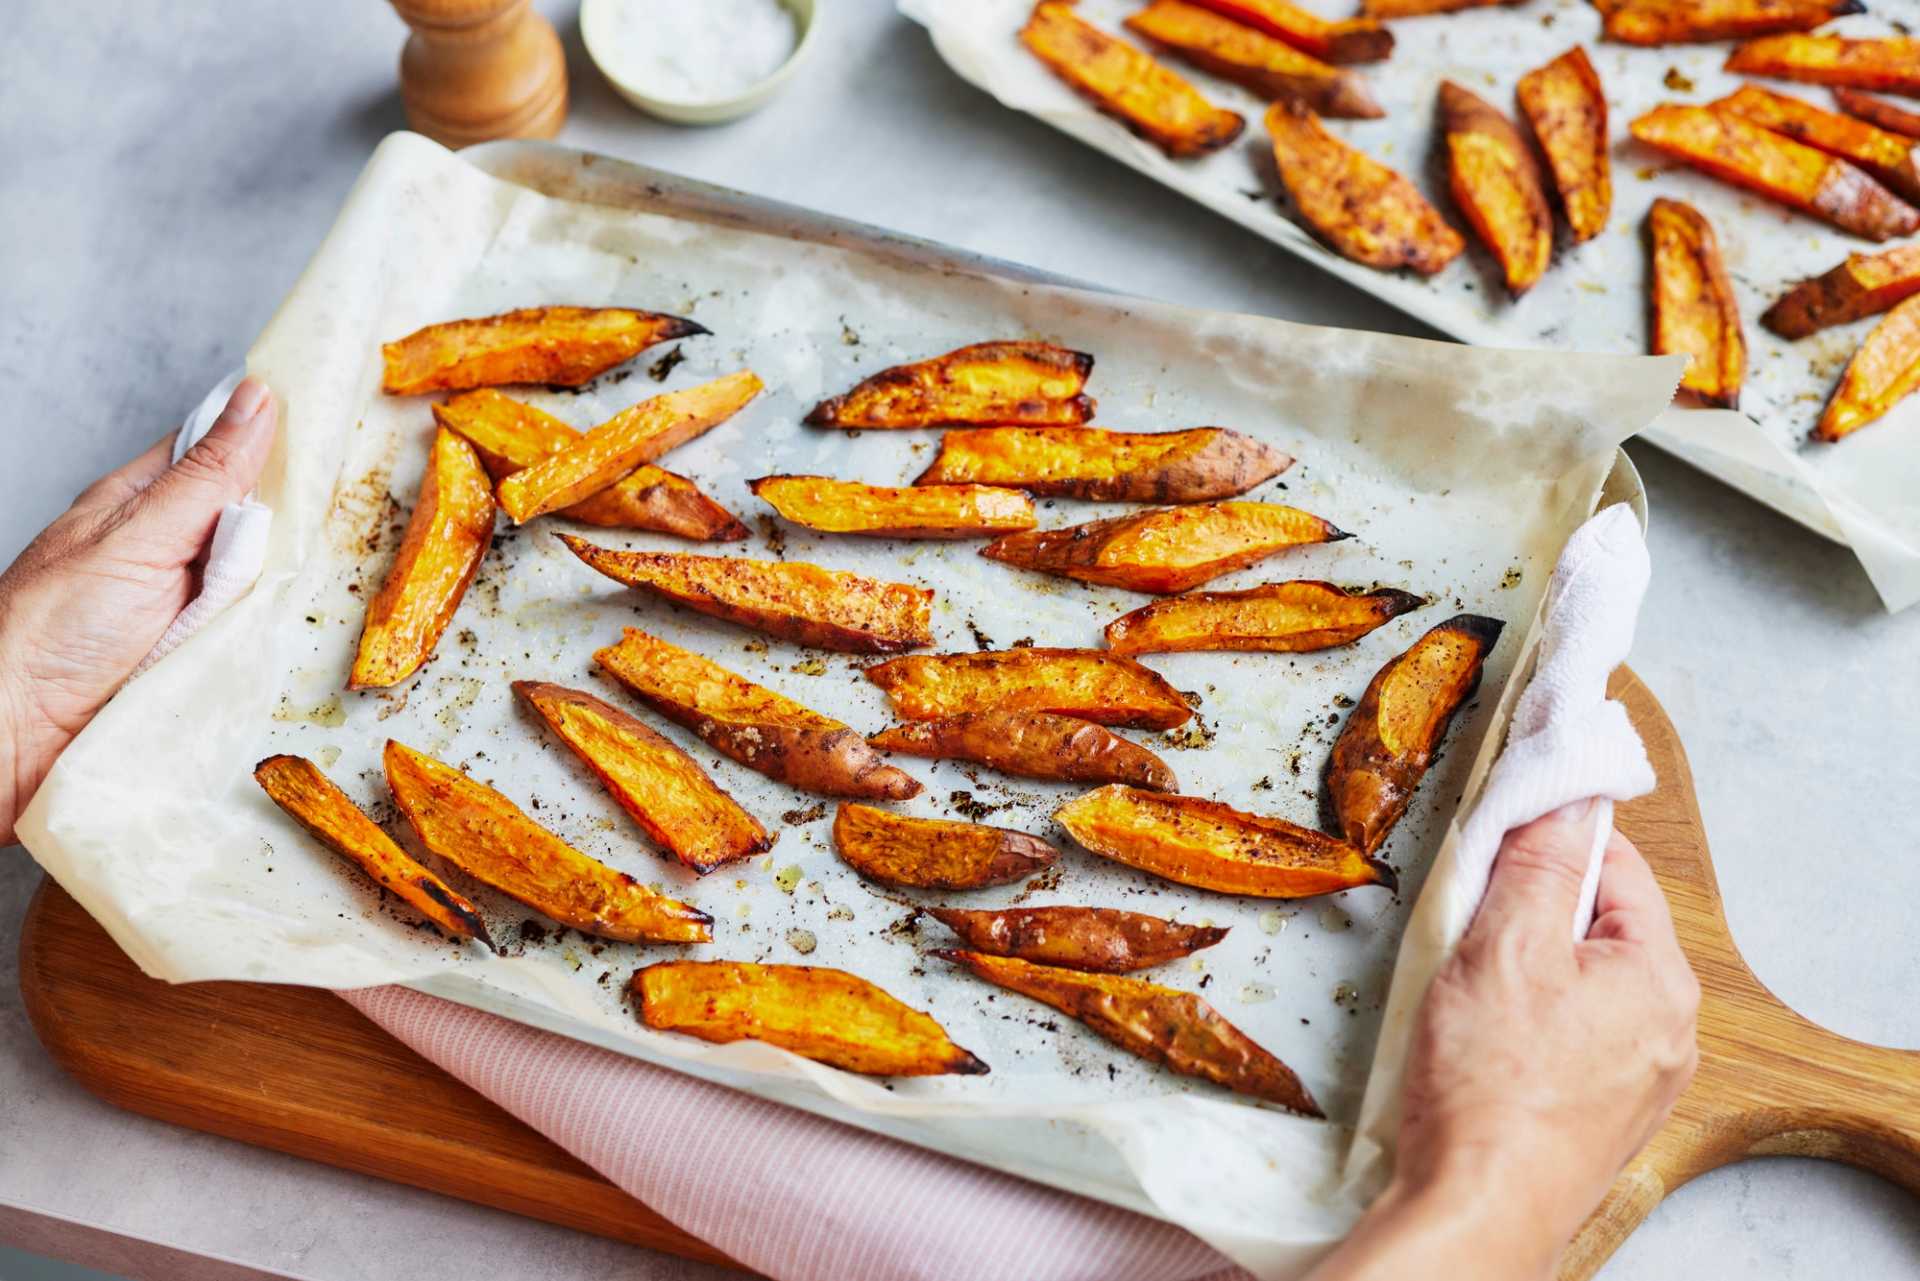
(595,15)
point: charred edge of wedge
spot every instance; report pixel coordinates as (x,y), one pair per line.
(439,893)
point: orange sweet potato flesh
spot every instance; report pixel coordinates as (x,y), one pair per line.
(1738,151)
(764,731)
(829,1016)
(1658,22)
(987,383)
(1883,372)
(1887,156)
(1359,207)
(825,608)
(1033,745)
(509,435)
(560,346)
(1163,1025)
(1343,41)
(1878,111)
(1889,65)
(1128,85)
(447,534)
(1567,108)
(1694,310)
(1385,9)
(665,790)
(935,853)
(1088,683)
(311,800)
(1283,617)
(636,435)
(1497,185)
(919,511)
(1100,940)
(489,838)
(1165,550)
(1268,66)
(1863,285)
(1389,741)
(1211,846)
(1189,466)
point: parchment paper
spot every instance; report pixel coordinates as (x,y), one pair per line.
(1859,492)
(1460,471)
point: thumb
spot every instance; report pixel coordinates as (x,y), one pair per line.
(174,516)
(1537,877)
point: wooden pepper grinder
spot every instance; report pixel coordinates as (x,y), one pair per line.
(480,69)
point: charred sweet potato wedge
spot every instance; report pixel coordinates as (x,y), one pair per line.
(1168,549)
(1191,466)
(935,853)
(1883,372)
(1088,683)
(1359,207)
(1878,111)
(1126,84)
(1386,745)
(1497,185)
(1344,41)
(1890,65)
(447,534)
(665,790)
(1567,108)
(1211,846)
(1033,745)
(1694,311)
(489,838)
(1658,22)
(1283,617)
(636,435)
(985,383)
(764,731)
(560,346)
(1268,66)
(825,608)
(1388,9)
(1889,157)
(310,799)
(917,511)
(1863,285)
(1163,1025)
(1100,940)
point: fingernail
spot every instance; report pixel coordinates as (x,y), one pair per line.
(247,400)
(1575,811)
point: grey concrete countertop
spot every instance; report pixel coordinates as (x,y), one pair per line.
(167,169)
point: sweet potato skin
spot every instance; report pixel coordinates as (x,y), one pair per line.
(1089,683)
(1567,108)
(1163,1025)
(826,1015)
(559,346)
(1497,185)
(1661,22)
(1387,744)
(1198,464)
(983,383)
(1890,65)
(1346,41)
(1099,940)
(934,853)
(1268,66)
(753,725)
(1694,309)
(1033,745)
(310,799)
(1288,618)
(1863,285)
(447,535)
(1889,157)
(1883,372)
(1878,111)
(917,511)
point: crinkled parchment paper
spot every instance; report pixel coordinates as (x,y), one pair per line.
(1859,491)
(1461,472)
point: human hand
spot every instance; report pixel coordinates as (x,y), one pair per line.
(90,596)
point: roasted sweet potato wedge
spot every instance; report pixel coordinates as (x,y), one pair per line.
(1088,683)
(986,383)
(825,608)
(764,731)
(1128,85)
(1889,65)
(311,800)
(1284,617)
(918,511)
(1386,745)
(1167,549)
(1889,157)
(1497,185)
(1863,285)
(1738,151)
(1163,1025)
(1694,311)
(509,434)
(1883,372)
(1386,9)
(1362,209)
(1190,466)
(1658,22)
(828,1016)
(665,790)
(1270,67)
(1567,108)
(1033,745)
(636,435)
(1215,847)
(487,836)
(935,853)
(560,346)
(1343,41)
(447,534)
(1100,940)
(1878,111)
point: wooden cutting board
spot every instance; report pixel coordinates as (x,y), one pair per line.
(298,1070)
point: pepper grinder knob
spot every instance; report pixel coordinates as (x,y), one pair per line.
(474,70)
